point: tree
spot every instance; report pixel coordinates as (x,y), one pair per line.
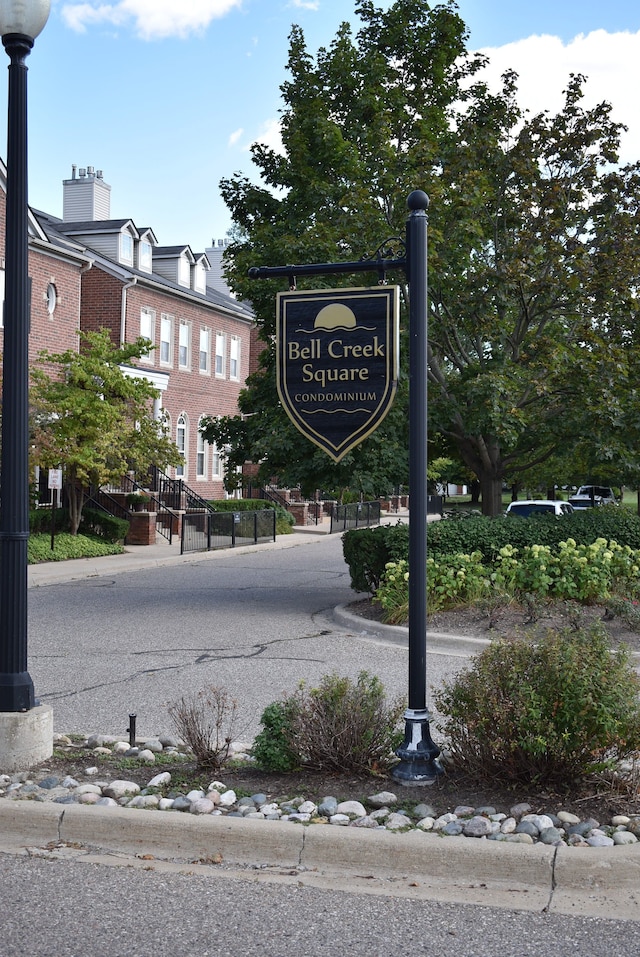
(94,420)
(358,130)
(533,248)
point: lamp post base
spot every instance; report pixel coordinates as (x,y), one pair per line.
(418,754)
(26,738)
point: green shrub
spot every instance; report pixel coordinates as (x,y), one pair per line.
(271,747)
(341,725)
(240,504)
(96,522)
(367,551)
(40,520)
(68,546)
(550,711)
(489,535)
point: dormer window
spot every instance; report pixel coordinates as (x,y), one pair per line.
(126,248)
(199,277)
(184,271)
(144,255)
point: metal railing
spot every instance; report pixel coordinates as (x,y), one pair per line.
(176,495)
(166,520)
(354,515)
(206,531)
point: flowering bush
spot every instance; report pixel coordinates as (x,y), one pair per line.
(570,572)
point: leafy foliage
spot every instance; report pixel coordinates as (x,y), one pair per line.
(342,725)
(586,574)
(367,552)
(68,546)
(93,419)
(533,252)
(271,747)
(488,536)
(550,711)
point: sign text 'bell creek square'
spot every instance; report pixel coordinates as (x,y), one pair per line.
(337,362)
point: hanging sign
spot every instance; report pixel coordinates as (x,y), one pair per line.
(337,362)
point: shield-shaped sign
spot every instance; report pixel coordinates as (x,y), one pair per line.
(337,362)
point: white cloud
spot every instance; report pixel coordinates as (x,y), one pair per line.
(270,135)
(610,61)
(151,19)
(305,4)
(235,136)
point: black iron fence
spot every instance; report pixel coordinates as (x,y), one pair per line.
(354,515)
(205,531)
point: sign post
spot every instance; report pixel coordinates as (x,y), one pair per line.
(309,372)
(55,483)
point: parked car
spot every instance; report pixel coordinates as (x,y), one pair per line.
(539,507)
(590,495)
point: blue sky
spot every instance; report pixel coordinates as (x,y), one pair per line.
(165,97)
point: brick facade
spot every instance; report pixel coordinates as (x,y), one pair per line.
(75,287)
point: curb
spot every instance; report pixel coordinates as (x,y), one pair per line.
(602,882)
(438,643)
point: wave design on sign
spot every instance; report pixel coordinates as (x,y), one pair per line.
(334,411)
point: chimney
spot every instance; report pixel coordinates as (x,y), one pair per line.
(86,197)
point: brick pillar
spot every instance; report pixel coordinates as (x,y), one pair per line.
(142,529)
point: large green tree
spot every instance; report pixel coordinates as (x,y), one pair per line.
(94,419)
(359,129)
(533,250)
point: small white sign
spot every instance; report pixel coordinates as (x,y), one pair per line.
(55,478)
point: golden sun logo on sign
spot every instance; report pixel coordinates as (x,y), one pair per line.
(337,362)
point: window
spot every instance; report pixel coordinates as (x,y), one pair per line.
(205,348)
(216,459)
(184,346)
(147,330)
(184,271)
(234,358)
(200,277)
(220,347)
(201,454)
(144,255)
(126,248)
(166,339)
(181,442)
(52,298)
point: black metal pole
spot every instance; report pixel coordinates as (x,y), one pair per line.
(418,754)
(16,686)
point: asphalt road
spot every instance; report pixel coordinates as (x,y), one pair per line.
(71,909)
(255,622)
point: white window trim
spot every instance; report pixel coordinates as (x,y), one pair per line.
(207,368)
(238,343)
(217,464)
(143,246)
(201,455)
(221,337)
(151,313)
(126,258)
(184,428)
(184,325)
(164,318)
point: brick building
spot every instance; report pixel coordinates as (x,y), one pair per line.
(111,273)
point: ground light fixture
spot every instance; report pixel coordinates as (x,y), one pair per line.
(20,23)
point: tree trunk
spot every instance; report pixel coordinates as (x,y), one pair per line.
(491,486)
(76,500)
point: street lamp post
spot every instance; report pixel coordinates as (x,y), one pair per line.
(20,22)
